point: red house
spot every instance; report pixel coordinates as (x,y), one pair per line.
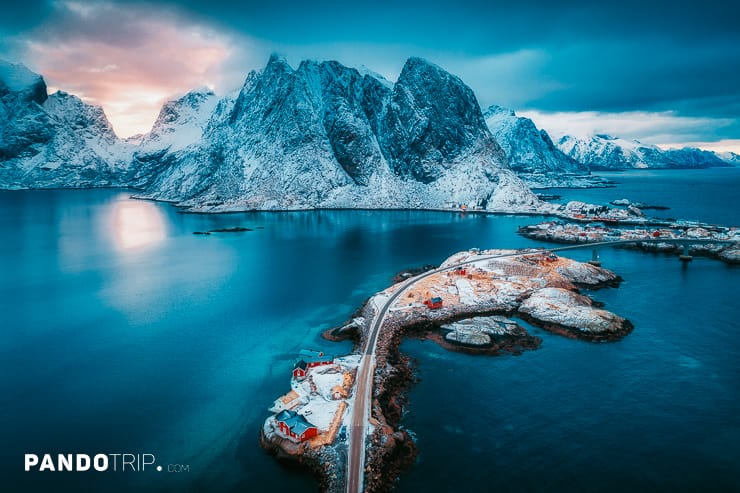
(434,303)
(461,271)
(295,426)
(300,369)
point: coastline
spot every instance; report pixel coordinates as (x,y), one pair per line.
(392,447)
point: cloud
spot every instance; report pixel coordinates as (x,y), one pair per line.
(663,128)
(131,60)
(661,58)
(507,79)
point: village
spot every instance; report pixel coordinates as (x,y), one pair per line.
(726,249)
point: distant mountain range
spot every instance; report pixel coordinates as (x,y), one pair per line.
(319,136)
(533,155)
(604,152)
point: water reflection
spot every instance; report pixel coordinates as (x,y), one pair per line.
(137,224)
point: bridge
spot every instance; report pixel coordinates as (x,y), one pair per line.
(366,370)
(686,242)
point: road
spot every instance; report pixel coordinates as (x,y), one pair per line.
(366,372)
(366,369)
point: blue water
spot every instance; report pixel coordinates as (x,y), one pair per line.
(123,332)
(708,195)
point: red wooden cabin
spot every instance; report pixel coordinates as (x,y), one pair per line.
(434,303)
(295,426)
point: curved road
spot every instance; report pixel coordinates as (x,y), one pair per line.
(366,369)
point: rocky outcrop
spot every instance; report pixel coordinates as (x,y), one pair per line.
(504,285)
(712,241)
(572,314)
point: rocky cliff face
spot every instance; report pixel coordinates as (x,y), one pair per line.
(325,135)
(528,149)
(604,152)
(54,141)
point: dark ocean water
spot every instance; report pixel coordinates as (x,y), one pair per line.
(123,332)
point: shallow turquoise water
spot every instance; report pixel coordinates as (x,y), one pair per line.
(124,332)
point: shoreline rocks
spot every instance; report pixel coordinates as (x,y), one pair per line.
(558,310)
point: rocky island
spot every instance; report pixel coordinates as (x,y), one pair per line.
(471,304)
(699,239)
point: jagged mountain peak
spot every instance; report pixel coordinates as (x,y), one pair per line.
(180,123)
(495,109)
(17,79)
(277,64)
(436,119)
(529,150)
(184,107)
(328,135)
(417,65)
(73,112)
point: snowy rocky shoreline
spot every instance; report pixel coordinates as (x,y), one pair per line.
(727,248)
(540,288)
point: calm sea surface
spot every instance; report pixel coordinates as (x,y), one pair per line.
(121,331)
(709,195)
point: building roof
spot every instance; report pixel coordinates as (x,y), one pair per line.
(301,363)
(300,425)
(436,299)
(297,423)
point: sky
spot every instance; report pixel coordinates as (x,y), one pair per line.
(664,72)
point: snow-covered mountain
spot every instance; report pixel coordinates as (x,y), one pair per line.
(54,141)
(531,153)
(730,158)
(319,136)
(325,135)
(528,149)
(604,152)
(180,124)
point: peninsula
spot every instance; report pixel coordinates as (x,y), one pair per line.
(341,417)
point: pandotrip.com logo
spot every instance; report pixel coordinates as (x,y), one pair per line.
(117,462)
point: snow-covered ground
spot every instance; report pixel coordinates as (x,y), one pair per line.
(321,395)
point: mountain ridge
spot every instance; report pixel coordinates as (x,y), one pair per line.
(606,152)
(322,135)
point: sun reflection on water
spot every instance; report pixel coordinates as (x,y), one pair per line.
(137,224)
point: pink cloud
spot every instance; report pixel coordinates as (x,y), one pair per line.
(131,59)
